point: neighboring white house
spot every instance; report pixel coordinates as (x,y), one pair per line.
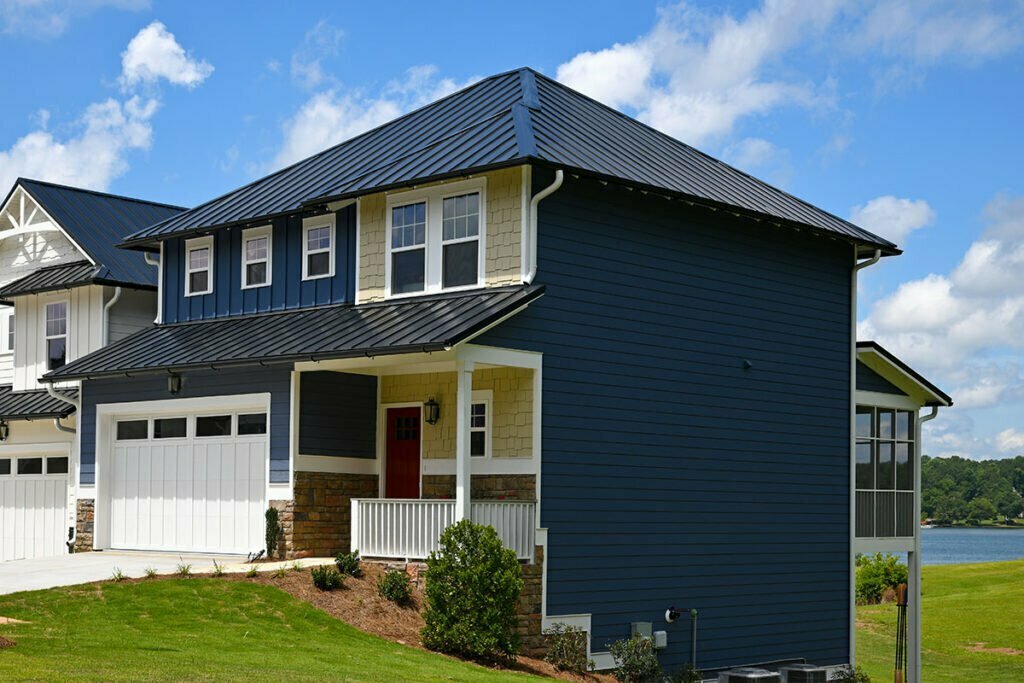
(65,290)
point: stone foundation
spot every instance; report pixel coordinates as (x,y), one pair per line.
(483,487)
(317,522)
(85,517)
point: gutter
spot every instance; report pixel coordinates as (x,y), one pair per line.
(534,203)
(72,468)
(106,314)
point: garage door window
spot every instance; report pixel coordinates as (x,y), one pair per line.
(5,466)
(170,428)
(213,425)
(131,430)
(255,423)
(56,465)
(30,465)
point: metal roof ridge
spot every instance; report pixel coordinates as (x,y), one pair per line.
(98,193)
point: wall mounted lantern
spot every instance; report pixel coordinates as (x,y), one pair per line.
(5,430)
(173,383)
(433,412)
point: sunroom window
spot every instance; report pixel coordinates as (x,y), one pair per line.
(885,472)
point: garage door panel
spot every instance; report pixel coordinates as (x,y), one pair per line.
(33,516)
(190,495)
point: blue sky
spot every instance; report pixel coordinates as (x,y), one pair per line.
(905,117)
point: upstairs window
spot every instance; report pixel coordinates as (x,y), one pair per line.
(199,266)
(408,247)
(56,334)
(318,247)
(256,246)
(436,239)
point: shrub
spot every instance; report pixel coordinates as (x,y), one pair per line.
(638,662)
(394,585)
(280,573)
(118,576)
(567,649)
(348,563)
(849,674)
(184,570)
(473,587)
(327,578)
(273,531)
(252,571)
(295,566)
(876,573)
(686,675)
(218,569)
(150,573)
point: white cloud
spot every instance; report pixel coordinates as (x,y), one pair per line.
(893,218)
(1010,441)
(91,158)
(46,19)
(331,116)
(155,54)
(320,42)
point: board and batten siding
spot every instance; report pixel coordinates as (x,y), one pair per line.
(275,380)
(287,289)
(672,474)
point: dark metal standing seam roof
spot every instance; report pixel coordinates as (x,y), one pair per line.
(509,119)
(98,222)
(33,405)
(424,324)
(51,278)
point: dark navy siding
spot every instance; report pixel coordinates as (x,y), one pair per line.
(338,414)
(671,474)
(287,289)
(275,380)
(869,380)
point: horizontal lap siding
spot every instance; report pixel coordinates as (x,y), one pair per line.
(228,382)
(338,414)
(287,289)
(671,474)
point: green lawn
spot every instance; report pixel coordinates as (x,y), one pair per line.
(203,629)
(963,605)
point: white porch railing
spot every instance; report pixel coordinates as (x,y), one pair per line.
(411,528)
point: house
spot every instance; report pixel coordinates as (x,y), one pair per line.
(66,290)
(518,306)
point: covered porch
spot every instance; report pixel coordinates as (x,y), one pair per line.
(433,438)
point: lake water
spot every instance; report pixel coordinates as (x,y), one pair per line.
(959,546)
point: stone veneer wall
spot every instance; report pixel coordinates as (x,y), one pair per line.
(512,408)
(503,240)
(483,486)
(85,518)
(317,521)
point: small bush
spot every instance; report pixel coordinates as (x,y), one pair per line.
(118,576)
(567,649)
(150,572)
(686,675)
(327,578)
(637,659)
(348,563)
(218,569)
(473,587)
(295,566)
(184,570)
(280,573)
(849,674)
(876,573)
(273,530)
(394,585)
(252,571)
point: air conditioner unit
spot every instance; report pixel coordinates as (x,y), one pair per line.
(803,673)
(745,674)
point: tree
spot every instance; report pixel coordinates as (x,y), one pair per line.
(980,509)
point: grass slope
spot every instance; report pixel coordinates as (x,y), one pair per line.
(973,619)
(201,630)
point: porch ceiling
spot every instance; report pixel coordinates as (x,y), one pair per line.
(425,324)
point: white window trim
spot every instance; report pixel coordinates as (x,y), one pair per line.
(47,337)
(256,233)
(6,316)
(433,266)
(485,396)
(190,245)
(326,220)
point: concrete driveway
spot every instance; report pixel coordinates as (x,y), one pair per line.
(69,570)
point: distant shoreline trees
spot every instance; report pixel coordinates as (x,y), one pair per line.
(958,490)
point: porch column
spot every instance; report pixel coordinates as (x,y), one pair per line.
(463,401)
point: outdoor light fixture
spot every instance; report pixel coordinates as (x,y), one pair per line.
(5,430)
(433,412)
(173,383)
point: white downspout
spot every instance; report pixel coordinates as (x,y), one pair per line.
(537,198)
(914,564)
(857,267)
(158,262)
(72,466)
(106,314)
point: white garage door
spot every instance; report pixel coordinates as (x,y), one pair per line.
(189,483)
(33,506)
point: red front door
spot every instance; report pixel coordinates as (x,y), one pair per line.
(402,479)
